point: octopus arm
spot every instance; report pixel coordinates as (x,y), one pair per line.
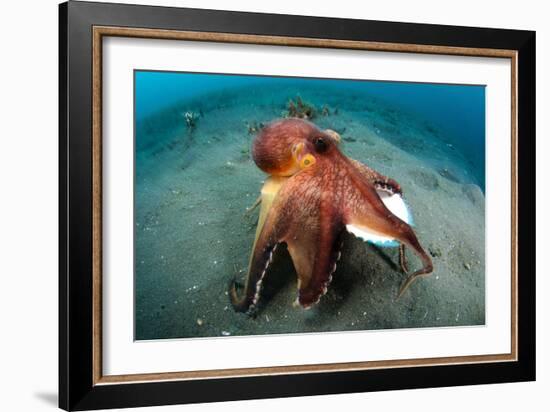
(268,235)
(286,207)
(378,180)
(310,228)
(314,254)
(314,234)
(366,216)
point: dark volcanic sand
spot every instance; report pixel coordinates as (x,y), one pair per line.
(192,235)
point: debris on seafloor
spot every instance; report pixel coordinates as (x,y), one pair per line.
(191,119)
(254,127)
(300,109)
(435,251)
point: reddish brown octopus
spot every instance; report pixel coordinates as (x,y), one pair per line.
(313,195)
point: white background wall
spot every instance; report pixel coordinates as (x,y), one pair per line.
(28,204)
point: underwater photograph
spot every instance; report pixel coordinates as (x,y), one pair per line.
(278,205)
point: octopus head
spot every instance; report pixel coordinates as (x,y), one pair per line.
(285,147)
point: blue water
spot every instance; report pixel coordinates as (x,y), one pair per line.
(458,110)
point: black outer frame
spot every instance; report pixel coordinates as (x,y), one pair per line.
(76,389)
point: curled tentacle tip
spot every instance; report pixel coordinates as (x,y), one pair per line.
(239,304)
(233,285)
(252,311)
(404,287)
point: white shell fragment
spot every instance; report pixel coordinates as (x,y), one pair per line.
(396,205)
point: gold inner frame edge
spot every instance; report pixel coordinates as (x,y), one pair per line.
(101,31)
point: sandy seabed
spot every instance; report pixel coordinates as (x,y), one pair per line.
(192,235)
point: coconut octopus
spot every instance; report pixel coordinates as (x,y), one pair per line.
(313,195)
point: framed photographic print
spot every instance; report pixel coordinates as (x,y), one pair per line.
(257,205)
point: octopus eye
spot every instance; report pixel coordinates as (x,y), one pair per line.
(320,144)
